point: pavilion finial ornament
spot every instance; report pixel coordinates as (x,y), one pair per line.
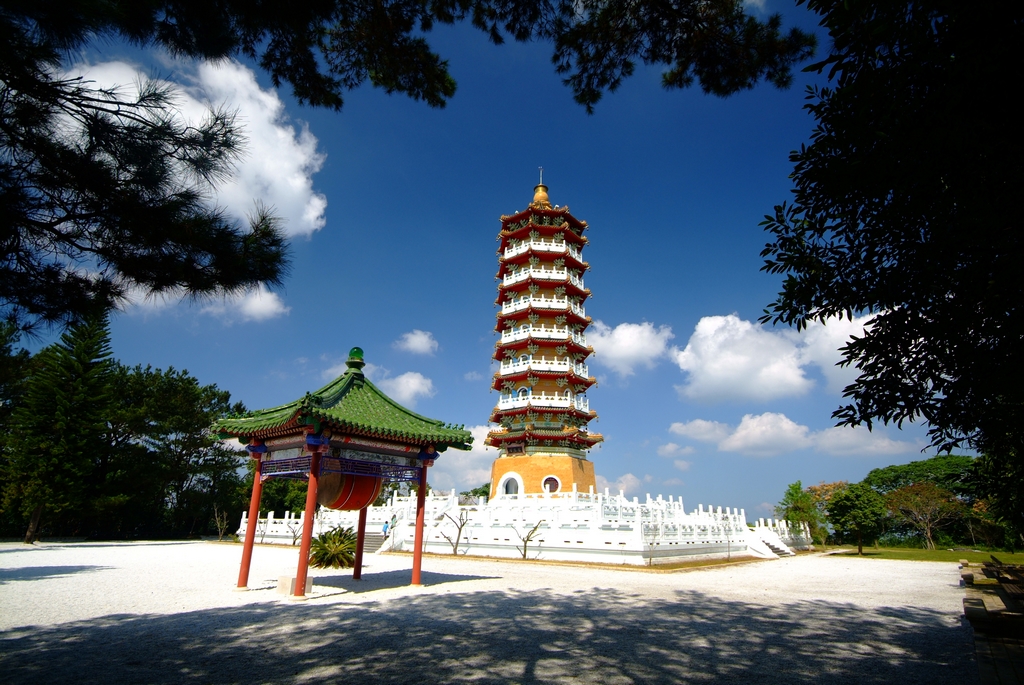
(355,360)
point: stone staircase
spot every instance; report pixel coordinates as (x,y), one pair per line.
(372,542)
(783,551)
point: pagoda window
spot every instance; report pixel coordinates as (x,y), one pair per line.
(524,359)
(568,394)
(524,392)
(512,486)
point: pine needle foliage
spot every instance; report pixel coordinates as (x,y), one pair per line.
(334,549)
(59,425)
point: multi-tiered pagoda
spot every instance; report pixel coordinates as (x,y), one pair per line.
(543,409)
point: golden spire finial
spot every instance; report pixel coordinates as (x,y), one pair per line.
(540,194)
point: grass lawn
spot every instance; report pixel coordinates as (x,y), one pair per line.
(936,555)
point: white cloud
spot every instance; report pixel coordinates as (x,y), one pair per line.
(681,464)
(673,482)
(673,450)
(699,429)
(258,304)
(464,470)
(473,376)
(279,159)
(372,371)
(276,167)
(628,483)
(770,434)
(766,435)
(854,440)
(335,370)
(628,345)
(821,343)
(728,358)
(417,342)
(407,387)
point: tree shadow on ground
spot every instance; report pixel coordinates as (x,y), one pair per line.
(36,572)
(591,636)
(386,580)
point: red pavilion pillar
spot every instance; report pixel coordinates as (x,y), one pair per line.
(357,566)
(421,505)
(256,450)
(307,522)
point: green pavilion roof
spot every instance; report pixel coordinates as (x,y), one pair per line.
(350,404)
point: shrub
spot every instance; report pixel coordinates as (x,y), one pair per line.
(334,549)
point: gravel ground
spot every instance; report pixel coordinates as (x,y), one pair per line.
(165,613)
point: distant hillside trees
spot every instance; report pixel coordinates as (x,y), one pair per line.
(947,499)
(93,448)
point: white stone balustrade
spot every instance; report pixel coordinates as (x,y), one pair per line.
(510,366)
(555,303)
(543,399)
(554,246)
(543,332)
(795,535)
(543,275)
(572,526)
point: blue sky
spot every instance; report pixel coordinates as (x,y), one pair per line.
(394,208)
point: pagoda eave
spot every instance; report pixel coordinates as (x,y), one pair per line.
(568,438)
(570,287)
(572,378)
(570,316)
(571,346)
(497,414)
(524,257)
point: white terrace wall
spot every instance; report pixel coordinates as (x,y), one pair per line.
(793,535)
(571,527)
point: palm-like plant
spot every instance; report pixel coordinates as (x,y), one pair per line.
(334,549)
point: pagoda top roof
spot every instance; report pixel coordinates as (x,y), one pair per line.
(542,205)
(352,405)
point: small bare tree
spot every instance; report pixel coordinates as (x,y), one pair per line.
(526,539)
(295,528)
(220,518)
(651,533)
(460,523)
(261,528)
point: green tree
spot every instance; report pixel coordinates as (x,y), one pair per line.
(948,471)
(798,506)
(196,469)
(926,507)
(906,208)
(821,495)
(1001,483)
(57,432)
(859,511)
(14,371)
(482,491)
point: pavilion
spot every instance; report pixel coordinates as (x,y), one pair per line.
(345,439)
